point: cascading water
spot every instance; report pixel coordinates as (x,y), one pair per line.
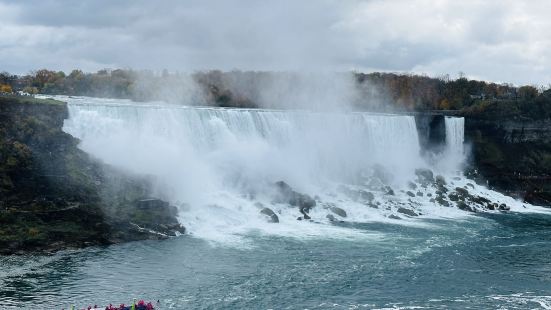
(455,133)
(220,165)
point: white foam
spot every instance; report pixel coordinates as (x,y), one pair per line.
(217,164)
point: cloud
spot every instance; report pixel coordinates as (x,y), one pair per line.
(493,40)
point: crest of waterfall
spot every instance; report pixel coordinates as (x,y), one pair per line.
(219,165)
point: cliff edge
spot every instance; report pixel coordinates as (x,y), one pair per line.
(53,196)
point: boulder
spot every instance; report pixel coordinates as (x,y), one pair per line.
(442,201)
(461,191)
(407,211)
(440,180)
(272,217)
(465,207)
(338,211)
(480,200)
(453,196)
(285,194)
(424,176)
(504,207)
(410,194)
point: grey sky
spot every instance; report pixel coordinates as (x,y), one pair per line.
(501,40)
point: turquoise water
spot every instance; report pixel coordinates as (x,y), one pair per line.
(498,261)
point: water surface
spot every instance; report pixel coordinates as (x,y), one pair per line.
(498,261)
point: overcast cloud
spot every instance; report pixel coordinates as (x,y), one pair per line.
(504,41)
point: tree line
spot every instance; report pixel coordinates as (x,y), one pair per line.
(376,90)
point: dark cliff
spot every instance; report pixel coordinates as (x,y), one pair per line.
(512,155)
(54,196)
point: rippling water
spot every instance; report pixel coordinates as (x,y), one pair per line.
(496,261)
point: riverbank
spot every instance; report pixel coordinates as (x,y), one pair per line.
(54,196)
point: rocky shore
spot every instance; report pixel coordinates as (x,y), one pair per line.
(53,196)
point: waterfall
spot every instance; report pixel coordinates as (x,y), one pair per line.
(455,132)
(219,165)
(244,147)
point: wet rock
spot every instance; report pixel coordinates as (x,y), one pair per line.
(407,211)
(285,194)
(453,196)
(331,218)
(272,217)
(394,217)
(429,195)
(480,200)
(491,206)
(465,207)
(424,176)
(440,180)
(461,191)
(432,200)
(420,194)
(470,185)
(338,211)
(440,200)
(389,191)
(504,207)
(410,194)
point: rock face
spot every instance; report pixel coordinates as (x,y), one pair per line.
(432,131)
(512,155)
(54,196)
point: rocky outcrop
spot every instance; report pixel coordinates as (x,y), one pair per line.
(54,196)
(285,194)
(512,155)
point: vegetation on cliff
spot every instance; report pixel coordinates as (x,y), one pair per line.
(54,196)
(240,89)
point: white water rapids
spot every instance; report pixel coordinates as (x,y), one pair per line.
(219,165)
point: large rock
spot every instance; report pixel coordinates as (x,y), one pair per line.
(285,194)
(465,207)
(424,176)
(338,211)
(272,217)
(407,211)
